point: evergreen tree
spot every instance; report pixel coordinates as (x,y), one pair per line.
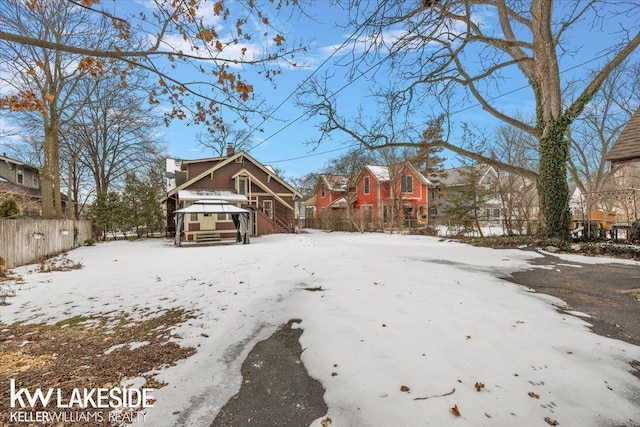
(106,214)
(140,201)
(467,199)
(9,208)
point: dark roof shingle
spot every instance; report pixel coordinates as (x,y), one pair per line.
(627,146)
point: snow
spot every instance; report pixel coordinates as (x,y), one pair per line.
(393,310)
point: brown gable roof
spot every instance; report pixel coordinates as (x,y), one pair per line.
(627,146)
(219,164)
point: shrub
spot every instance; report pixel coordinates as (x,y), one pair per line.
(9,208)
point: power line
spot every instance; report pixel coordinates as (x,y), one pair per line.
(315,154)
(343,44)
(477,104)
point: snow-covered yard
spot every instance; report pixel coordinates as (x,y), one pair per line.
(392,311)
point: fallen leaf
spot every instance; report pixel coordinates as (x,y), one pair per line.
(404,388)
(533,395)
(479,386)
(455,411)
(550,421)
(326,422)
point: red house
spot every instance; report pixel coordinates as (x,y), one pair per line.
(331,192)
(380,196)
(392,192)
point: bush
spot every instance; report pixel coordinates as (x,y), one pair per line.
(90,242)
(9,208)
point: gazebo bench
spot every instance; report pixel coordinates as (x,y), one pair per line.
(207,236)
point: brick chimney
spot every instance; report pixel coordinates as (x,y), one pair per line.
(230,150)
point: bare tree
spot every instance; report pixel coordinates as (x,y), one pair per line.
(517,193)
(114,132)
(227,136)
(592,135)
(44,78)
(179,33)
(431,47)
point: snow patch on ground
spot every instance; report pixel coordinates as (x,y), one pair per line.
(394,311)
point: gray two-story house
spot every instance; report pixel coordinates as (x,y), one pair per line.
(21,182)
(17,172)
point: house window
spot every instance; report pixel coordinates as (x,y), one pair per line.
(432,194)
(322,194)
(433,211)
(193,217)
(367,184)
(406,184)
(496,213)
(242,185)
(267,208)
(20,176)
(35,180)
(222,217)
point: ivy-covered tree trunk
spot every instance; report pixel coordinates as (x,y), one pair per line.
(553,188)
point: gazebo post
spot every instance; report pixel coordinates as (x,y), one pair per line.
(179,219)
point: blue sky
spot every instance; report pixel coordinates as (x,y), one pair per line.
(282,143)
(284,136)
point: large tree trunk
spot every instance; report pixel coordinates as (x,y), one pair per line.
(553,188)
(49,172)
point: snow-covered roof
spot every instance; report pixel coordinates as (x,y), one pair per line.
(381,173)
(335,182)
(211,206)
(228,196)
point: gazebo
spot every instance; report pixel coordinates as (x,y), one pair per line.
(239,216)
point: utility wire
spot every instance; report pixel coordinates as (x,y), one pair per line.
(342,45)
(472,106)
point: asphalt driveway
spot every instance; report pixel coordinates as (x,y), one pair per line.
(609,293)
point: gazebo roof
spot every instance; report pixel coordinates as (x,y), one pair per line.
(211,206)
(220,195)
(627,146)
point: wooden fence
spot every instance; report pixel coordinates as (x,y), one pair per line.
(26,241)
(357,220)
